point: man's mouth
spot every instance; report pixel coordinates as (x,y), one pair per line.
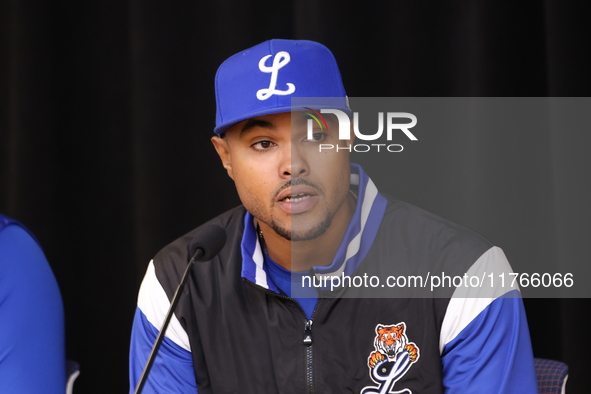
(297,198)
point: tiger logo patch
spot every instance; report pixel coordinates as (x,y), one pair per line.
(392,357)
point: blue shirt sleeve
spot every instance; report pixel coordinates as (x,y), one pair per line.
(493,353)
(32,353)
(172,371)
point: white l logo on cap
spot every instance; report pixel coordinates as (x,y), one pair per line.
(279,61)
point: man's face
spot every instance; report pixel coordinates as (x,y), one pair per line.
(280,175)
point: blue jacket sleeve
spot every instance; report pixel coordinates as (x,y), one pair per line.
(172,371)
(32,353)
(492,354)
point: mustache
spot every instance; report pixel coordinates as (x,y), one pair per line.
(295,182)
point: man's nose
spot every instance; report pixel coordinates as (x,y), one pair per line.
(294,163)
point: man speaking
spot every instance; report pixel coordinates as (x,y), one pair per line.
(260,317)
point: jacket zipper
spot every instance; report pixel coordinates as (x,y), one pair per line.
(309,358)
(308,344)
(308,338)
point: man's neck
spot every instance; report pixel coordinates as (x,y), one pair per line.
(303,255)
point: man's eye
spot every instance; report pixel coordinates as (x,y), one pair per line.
(318,137)
(262,145)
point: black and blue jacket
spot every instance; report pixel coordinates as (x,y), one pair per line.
(234,331)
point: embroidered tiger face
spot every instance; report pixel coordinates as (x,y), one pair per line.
(390,341)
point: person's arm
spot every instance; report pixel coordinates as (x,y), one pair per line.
(172,371)
(485,343)
(32,352)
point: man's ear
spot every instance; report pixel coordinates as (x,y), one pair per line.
(223,150)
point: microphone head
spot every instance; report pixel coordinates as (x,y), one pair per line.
(210,238)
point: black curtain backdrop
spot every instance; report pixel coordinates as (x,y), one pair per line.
(107,107)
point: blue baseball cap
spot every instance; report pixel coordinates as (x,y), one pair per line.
(262,80)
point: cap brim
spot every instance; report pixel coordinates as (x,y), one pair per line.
(277,110)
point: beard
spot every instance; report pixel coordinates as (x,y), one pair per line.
(294,234)
(301,227)
(297,230)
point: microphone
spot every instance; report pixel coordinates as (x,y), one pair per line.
(208,241)
(204,246)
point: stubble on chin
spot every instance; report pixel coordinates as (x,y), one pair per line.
(295,235)
(298,227)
